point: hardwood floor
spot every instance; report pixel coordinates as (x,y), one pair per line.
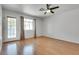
(40,46)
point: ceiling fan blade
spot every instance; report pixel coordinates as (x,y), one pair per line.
(51,11)
(47,6)
(45,13)
(54,8)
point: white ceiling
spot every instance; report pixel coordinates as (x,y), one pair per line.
(33,9)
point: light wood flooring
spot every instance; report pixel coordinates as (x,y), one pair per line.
(40,46)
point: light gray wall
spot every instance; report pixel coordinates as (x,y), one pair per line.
(0,27)
(64,26)
(17,15)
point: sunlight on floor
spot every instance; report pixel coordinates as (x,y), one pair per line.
(28,50)
(12,49)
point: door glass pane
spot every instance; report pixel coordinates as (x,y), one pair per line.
(28,24)
(11,27)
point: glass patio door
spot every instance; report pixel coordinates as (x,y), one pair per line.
(11,28)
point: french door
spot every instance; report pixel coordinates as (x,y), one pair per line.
(11,28)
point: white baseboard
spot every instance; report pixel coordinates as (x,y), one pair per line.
(64,39)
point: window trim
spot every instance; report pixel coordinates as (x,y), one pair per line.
(10,17)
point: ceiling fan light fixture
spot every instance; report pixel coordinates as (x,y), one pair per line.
(42,9)
(48,11)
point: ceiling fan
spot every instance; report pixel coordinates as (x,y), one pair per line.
(48,9)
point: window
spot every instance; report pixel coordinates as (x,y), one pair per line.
(11,27)
(28,24)
(0,28)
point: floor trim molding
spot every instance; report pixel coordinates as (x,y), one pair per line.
(62,39)
(54,37)
(19,39)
